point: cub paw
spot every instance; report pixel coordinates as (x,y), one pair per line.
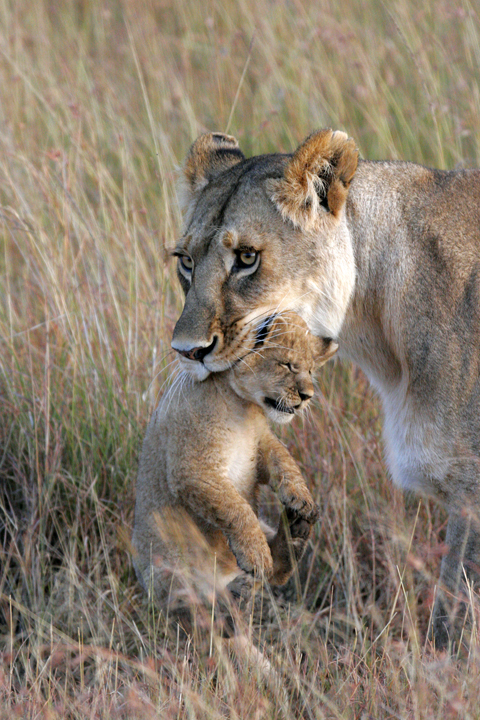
(298,527)
(254,558)
(241,589)
(301,503)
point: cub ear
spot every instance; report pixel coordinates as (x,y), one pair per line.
(325,348)
(316,178)
(209,155)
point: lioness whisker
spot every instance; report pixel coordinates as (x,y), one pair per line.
(174,387)
(164,369)
(159,360)
(242,359)
(186,380)
(170,378)
(276,312)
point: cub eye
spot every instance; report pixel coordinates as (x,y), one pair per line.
(287,366)
(185,264)
(247,260)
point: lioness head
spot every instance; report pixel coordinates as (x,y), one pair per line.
(260,236)
(277,374)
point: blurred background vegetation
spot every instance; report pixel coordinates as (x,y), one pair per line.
(99,102)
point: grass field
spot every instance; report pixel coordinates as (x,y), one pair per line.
(99,102)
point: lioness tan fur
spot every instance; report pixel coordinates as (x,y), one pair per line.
(384,257)
(207,449)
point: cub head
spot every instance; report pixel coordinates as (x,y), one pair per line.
(277,375)
(261,236)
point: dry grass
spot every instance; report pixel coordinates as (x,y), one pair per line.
(99,102)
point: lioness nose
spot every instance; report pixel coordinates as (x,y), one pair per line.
(198,353)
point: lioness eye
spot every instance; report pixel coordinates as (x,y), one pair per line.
(247,257)
(186,264)
(247,260)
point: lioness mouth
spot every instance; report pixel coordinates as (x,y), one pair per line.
(262,331)
(278,405)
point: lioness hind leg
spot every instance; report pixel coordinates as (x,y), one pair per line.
(460,565)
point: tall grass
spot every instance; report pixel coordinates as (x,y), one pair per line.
(99,103)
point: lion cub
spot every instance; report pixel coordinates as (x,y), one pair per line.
(206,451)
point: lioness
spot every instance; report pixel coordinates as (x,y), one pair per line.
(206,450)
(384,257)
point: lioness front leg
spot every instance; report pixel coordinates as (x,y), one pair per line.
(281,471)
(217,502)
(462,562)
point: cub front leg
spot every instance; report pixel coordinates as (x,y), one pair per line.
(217,502)
(288,545)
(279,469)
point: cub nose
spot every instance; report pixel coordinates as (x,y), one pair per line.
(305,394)
(198,353)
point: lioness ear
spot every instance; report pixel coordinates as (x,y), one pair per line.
(209,155)
(316,179)
(325,349)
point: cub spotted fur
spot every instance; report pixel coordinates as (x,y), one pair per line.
(206,451)
(382,256)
